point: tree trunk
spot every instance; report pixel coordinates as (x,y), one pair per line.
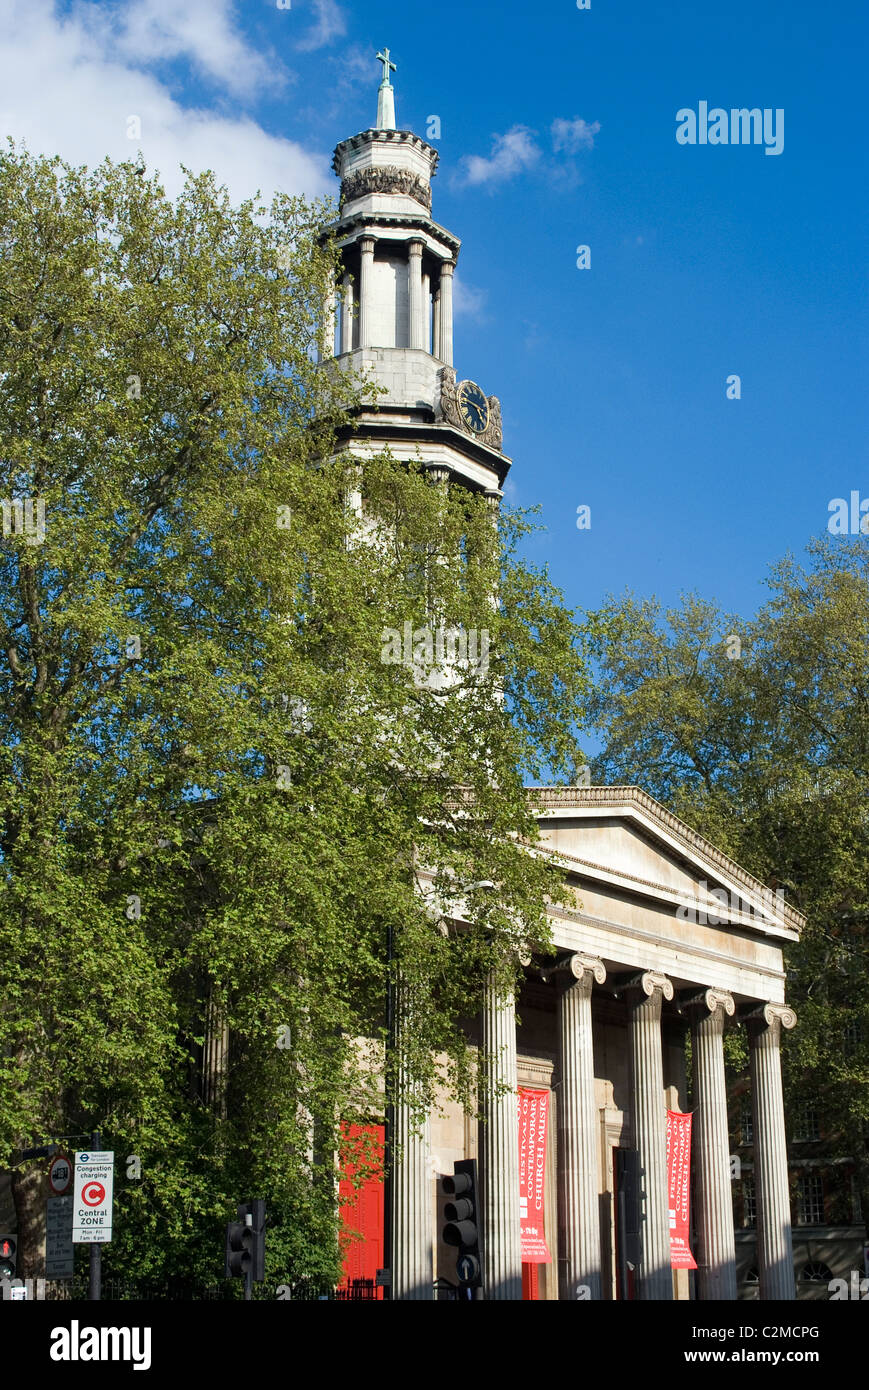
(29,1189)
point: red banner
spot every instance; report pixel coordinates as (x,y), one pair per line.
(679,1188)
(533,1119)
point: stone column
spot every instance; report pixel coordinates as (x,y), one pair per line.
(410,1189)
(215,1057)
(327,330)
(716,1249)
(366,289)
(436,324)
(645,999)
(774,1244)
(499,1153)
(414,295)
(578,1133)
(347,314)
(412,1269)
(446,315)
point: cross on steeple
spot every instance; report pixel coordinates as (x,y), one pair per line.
(385,95)
(384,59)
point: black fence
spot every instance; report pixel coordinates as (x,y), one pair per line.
(229,1290)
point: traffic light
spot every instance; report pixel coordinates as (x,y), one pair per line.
(462,1228)
(239,1248)
(8,1256)
(246,1242)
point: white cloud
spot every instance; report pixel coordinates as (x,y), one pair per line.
(200,30)
(511,154)
(571,136)
(69,83)
(330,24)
(468,303)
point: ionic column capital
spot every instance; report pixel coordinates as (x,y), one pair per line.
(583,971)
(770,1018)
(711,1003)
(648,982)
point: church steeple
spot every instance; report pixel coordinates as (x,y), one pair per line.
(399,260)
(386,95)
(390,316)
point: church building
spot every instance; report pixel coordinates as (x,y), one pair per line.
(671,936)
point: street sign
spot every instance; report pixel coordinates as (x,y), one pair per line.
(59,1254)
(467,1268)
(60,1175)
(92,1197)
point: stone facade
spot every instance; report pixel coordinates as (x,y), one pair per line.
(607,1039)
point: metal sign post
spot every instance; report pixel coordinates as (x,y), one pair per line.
(92,1208)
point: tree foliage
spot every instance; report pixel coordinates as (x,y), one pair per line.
(767,753)
(225,819)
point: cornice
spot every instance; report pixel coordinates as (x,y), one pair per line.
(373,136)
(365,224)
(691,952)
(492,459)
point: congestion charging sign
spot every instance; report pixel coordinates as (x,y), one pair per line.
(92,1197)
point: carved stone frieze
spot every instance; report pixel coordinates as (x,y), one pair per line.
(386,178)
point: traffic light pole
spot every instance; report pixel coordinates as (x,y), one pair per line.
(95,1270)
(248,1273)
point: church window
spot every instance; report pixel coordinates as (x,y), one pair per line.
(749,1205)
(810,1200)
(806,1128)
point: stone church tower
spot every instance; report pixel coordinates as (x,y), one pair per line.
(670,937)
(391,317)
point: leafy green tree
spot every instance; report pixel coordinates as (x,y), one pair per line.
(229,811)
(757,734)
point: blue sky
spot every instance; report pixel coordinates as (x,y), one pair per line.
(558,129)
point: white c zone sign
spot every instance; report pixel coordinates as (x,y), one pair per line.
(92,1197)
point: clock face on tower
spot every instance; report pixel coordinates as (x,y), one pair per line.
(473,407)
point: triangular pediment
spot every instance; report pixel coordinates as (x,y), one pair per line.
(626,843)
